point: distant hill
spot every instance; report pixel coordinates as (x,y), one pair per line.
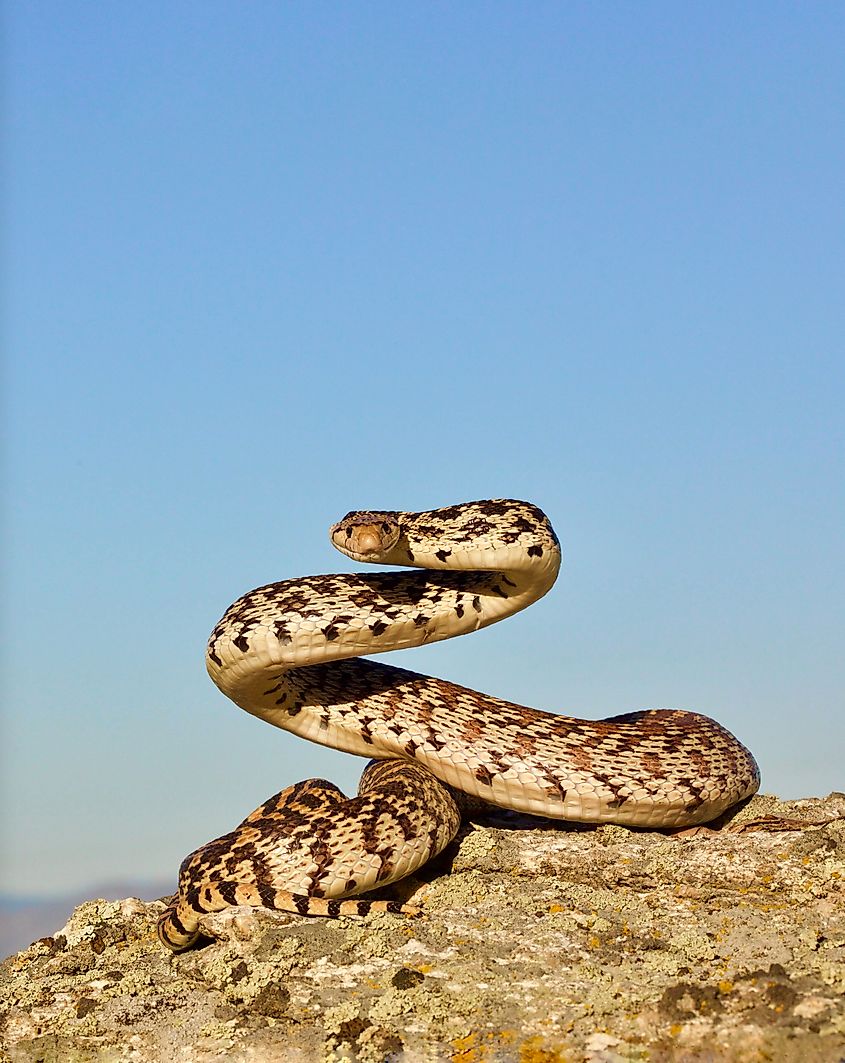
(25,919)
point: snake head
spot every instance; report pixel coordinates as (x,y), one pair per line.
(365,535)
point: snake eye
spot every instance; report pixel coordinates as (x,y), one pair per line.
(385,527)
(348,533)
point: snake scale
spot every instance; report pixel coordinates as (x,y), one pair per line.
(290,652)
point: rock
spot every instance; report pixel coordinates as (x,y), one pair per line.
(539,942)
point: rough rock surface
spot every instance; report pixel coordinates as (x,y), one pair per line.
(539,943)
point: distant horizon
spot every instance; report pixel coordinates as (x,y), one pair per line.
(148,886)
(26,919)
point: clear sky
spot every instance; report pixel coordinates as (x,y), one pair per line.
(270,262)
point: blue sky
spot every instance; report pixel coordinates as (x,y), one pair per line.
(267,263)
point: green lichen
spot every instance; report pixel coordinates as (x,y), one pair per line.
(540,946)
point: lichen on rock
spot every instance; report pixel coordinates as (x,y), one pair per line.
(539,942)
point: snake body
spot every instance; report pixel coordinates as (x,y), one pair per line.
(290,653)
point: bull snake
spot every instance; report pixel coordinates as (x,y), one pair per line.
(290,653)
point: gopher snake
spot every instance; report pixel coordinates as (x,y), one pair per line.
(288,652)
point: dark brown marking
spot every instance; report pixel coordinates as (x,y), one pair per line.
(177,923)
(227,891)
(267,894)
(387,866)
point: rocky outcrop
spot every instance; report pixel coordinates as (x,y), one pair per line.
(539,943)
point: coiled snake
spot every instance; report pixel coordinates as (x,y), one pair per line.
(289,653)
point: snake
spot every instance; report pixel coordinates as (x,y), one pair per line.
(292,653)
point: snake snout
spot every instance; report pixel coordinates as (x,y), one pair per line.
(366,540)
